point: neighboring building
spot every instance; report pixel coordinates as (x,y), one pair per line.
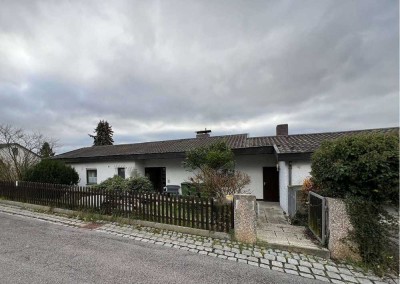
(14,159)
(272,162)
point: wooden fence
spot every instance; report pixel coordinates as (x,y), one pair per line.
(194,212)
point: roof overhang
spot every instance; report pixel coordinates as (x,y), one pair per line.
(294,156)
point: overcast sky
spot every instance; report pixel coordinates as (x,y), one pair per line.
(160,70)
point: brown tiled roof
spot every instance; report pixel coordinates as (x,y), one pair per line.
(159,147)
(297,143)
(308,143)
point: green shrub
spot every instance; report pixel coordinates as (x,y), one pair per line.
(140,184)
(364,171)
(134,184)
(115,183)
(52,171)
(363,165)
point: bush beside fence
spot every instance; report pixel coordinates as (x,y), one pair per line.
(194,212)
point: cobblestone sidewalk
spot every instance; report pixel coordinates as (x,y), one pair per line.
(266,258)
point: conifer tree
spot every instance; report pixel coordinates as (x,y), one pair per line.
(46,151)
(103,135)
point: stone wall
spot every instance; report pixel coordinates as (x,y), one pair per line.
(339,227)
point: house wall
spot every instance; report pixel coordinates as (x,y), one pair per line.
(253,166)
(300,170)
(176,173)
(105,170)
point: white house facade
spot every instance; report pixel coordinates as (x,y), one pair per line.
(274,163)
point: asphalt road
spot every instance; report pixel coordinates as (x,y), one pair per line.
(33,251)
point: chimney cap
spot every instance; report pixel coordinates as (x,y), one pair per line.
(205,131)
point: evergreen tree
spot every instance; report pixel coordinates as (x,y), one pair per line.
(46,151)
(103,135)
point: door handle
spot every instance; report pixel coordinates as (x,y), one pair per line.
(264,183)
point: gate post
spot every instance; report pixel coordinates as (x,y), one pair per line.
(245,218)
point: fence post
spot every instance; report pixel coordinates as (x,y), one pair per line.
(245,218)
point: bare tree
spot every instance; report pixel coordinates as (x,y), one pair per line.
(19,151)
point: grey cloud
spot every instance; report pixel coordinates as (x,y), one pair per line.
(160,70)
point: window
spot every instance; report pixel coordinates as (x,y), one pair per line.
(91,176)
(121,172)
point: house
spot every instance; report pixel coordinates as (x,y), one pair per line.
(14,159)
(274,163)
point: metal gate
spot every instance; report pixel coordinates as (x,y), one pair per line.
(317,216)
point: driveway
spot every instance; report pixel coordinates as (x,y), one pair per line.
(33,251)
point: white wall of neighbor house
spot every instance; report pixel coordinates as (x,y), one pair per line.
(105,170)
(300,171)
(253,166)
(175,172)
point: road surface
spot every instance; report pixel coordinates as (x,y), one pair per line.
(34,251)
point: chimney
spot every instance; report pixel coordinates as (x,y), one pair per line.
(203,133)
(282,129)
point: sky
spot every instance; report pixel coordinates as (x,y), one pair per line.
(160,70)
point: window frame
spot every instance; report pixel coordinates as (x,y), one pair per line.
(87,176)
(118,172)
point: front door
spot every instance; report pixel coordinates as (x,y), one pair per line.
(271,184)
(157,177)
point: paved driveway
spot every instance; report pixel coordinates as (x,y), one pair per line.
(33,251)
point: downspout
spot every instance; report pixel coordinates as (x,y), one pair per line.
(290,173)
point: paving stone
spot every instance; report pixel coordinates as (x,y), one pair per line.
(265,261)
(258,254)
(290,266)
(318,266)
(242,260)
(218,251)
(318,271)
(304,269)
(321,278)
(202,252)
(232,258)
(345,271)
(333,275)
(168,245)
(281,259)
(337,281)
(276,263)
(290,271)
(241,256)
(307,275)
(277,269)
(348,278)
(364,281)
(247,252)
(305,263)
(269,256)
(222,256)
(293,261)
(265,266)
(235,250)
(212,254)
(228,253)
(252,263)
(208,249)
(194,250)
(252,258)
(331,268)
